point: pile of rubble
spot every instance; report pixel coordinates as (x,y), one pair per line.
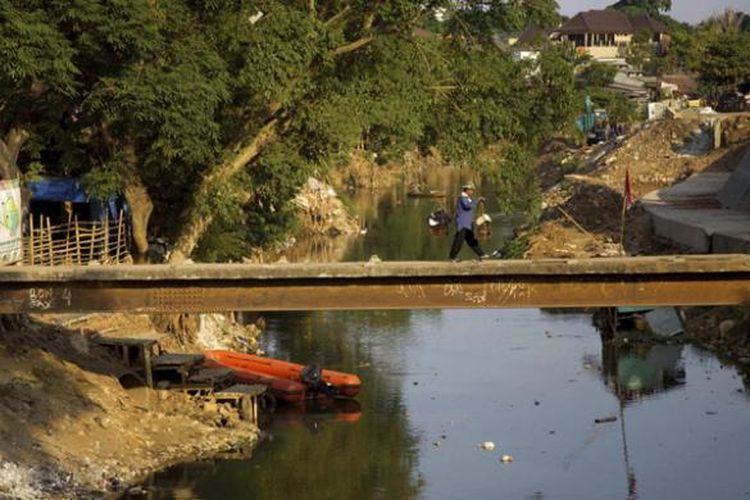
(321,211)
(584,187)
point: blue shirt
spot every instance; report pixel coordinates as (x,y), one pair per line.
(465,209)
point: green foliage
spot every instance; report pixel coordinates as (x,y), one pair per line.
(34,171)
(685,51)
(33,51)
(164,91)
(651,7)
(725,61)
(619,108)
(597,74)
(481,19)
(593,81)
(482,108)
(516,183)
(105,179)
(552,96)
(715,49)
(516,248)
(640,50)
(37,72)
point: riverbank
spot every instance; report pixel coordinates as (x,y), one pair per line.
(69,429)
(583,188)
(583,193)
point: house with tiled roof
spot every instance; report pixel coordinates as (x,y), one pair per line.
(607,34)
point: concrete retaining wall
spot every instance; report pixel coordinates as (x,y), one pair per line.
(735,195)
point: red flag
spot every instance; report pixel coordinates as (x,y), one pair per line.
(628,189)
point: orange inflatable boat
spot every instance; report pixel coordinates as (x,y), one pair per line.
(342,384)
(288,391)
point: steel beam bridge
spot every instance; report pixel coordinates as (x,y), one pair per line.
(649,281)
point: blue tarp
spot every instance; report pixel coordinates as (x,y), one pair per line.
(57,189)
(62,189)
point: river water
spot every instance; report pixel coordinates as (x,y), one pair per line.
(438,383)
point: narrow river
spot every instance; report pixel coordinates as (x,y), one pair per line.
(438,383)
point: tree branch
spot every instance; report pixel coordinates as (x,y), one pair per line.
(368,21)
(198,218)
(337,17)
(351,47)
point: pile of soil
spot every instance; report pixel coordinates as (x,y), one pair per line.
(583,188)
(69,428)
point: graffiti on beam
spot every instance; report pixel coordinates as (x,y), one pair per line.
(511,292)
(456,290)
(412,291)
(43,299)
(501,293)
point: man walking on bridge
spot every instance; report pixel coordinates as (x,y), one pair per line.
(466,206)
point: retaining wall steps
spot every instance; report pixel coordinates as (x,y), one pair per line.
(708,213)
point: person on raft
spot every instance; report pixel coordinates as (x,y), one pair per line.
(466,207)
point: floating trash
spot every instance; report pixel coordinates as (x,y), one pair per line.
(605,420)
(487,445)
(506,459)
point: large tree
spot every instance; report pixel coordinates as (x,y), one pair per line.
(724,64)
(211,113)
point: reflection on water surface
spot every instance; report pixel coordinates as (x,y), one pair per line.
(437,383)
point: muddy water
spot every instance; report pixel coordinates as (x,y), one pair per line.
(438,383)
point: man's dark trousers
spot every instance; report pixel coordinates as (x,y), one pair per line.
(458,241)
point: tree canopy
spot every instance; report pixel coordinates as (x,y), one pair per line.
(211,113)
(651,7)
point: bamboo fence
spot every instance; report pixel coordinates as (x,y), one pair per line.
(75,242)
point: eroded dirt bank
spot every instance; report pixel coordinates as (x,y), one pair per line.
(68,429)
(583,187)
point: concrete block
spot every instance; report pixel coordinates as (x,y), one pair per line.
(731,242)
(668,223)
(735,194)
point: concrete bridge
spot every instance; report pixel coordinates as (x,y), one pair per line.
(652,281)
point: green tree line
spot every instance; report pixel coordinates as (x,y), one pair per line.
(208,114)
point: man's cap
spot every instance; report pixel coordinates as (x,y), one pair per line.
(469,185)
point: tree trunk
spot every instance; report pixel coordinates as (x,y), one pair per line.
(141,207)
(199,216)
(139,200)
(9,150)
